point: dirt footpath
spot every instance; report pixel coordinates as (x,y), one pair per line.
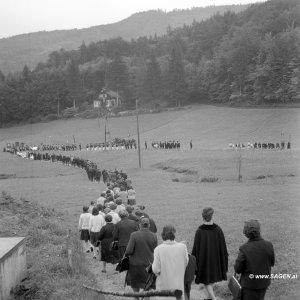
(114,281)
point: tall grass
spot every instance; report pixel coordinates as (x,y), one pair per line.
(50,275)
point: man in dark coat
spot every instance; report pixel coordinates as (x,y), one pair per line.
(256,257)
(140,250)
(211,253)
(123,230)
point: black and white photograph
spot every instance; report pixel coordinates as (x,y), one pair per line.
(149,149)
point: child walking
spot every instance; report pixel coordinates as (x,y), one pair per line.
(83,226)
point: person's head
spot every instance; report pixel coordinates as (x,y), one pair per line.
(110,198)
(123,213)
(85,209)
(106,210)
(95,211)
(113,206)
(207,214)
(168,233)
(141,207)
(129,209)
(102,195)
(99,207)
(122,189)
(139,214)
(92,203)
(144,223)
(108,218)
(119,201)
(252,229)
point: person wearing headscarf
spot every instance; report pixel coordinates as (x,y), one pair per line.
(140,251)
(170,261)
(106,237)
(256,257)
(122,232)
(211,253)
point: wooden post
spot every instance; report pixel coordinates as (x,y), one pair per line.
(69,250)
(144,294)
(138,132)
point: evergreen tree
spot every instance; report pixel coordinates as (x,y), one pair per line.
(176,85)
(153,80)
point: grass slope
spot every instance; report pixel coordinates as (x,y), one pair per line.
(269,190)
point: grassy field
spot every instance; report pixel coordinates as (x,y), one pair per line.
(169,183)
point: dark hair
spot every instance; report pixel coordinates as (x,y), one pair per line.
(108,218)
(138,213)
(207,214)
(119,201)
(99,207)
(95,211)
(129,208)
(85,208)
(92,202)
(252,229)
(168,233)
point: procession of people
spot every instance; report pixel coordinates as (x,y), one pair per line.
(133,234)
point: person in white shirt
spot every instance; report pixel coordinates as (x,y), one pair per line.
(114,214)
(131,196)
(170,261)
(123,195)
(83,227)
(92,205)
(120,205)
(101,199)
(96,223)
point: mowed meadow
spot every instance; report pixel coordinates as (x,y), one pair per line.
(171,183)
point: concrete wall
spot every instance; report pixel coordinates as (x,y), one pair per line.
(12,264)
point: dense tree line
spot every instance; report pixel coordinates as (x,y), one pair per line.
(252,57)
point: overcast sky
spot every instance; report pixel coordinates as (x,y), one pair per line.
(24,16)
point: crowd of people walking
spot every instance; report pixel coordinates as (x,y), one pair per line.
(259,145)
(164,145)
(125,230)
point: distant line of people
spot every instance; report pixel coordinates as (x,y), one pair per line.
(120,144)
(94,174)
(41,147)
(164,145)
(259,145)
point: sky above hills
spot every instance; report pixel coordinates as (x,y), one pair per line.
(24,16)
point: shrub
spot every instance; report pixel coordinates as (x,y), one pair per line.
(209,179)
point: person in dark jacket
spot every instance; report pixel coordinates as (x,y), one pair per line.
(256,257)
(131,216)
(211,253)
(106,238)
(189,275)
(123,230)
(142,215)
(140,250)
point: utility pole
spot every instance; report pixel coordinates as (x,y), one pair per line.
(57,103)
(138,132)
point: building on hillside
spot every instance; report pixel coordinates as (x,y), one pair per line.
(107,99)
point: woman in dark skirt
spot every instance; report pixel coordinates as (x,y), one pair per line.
(106,238)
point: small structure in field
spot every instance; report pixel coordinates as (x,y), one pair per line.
(108,100)
(12,264)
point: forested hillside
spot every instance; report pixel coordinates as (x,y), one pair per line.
(35,47)
(252,57)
